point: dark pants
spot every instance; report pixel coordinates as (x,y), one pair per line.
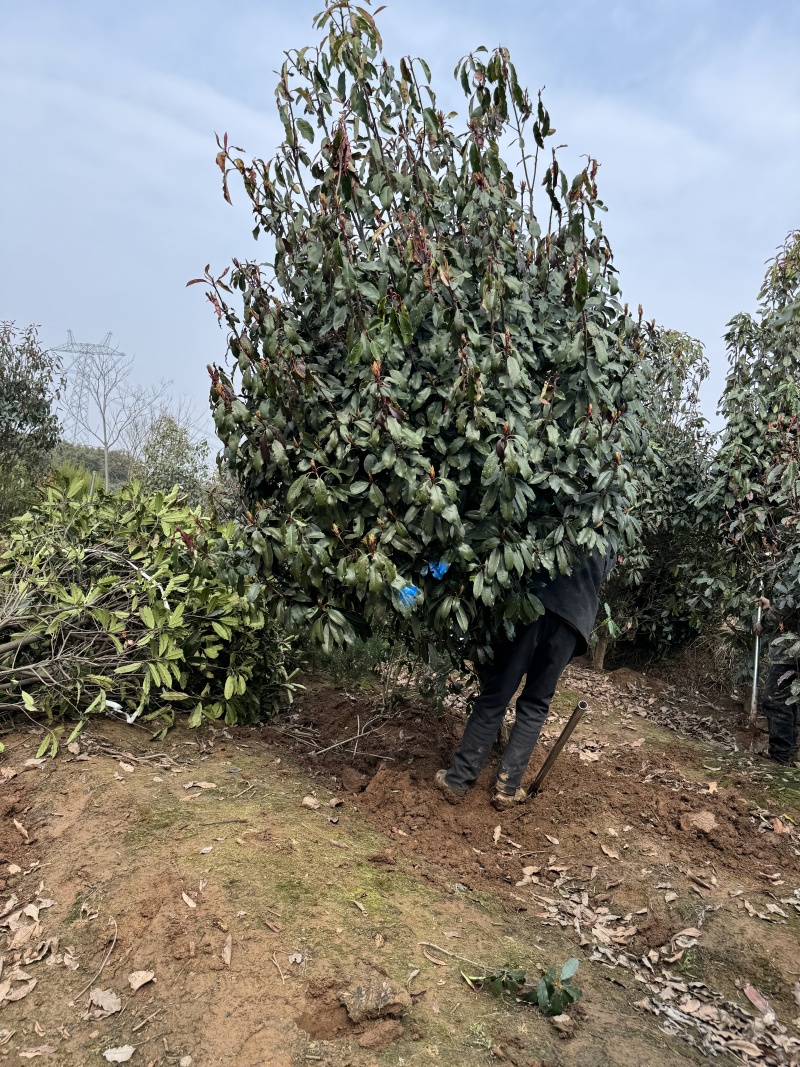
(541,651)
(781,717)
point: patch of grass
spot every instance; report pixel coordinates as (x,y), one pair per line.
(692,964)
(766,976)
(479,1037)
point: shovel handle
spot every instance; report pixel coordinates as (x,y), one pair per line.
(580,710)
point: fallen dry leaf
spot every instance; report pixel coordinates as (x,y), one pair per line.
(127,767)
(690,931)
(310,802)
(552,840)
(26,985)
(497,832)
(187,900)
(106,1000)
(21,829)
(139,978)
(777,826)
(610,852)
(360,907)
(428,956)
(31,1053)
(296,957)
(757,999)
(712,787)
(274,927)
(669,897)
(206,850)
(9,905)
(74,748)
(119,1055)
(227,950)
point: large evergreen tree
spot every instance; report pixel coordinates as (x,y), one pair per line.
(434,383)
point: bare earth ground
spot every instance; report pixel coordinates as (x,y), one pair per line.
(668,866)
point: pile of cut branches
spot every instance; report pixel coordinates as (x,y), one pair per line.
(135,604)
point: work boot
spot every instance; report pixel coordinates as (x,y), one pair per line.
(449,792)
(505,801)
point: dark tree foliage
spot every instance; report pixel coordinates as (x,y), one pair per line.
(757,469)
(436,367)
(671,584)
(29,390)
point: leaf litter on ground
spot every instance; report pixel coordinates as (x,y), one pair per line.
(119,1055)
(137,979)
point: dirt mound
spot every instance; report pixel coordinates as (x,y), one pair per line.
(608,784)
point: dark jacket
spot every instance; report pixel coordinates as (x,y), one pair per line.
(575,597)
(774,624)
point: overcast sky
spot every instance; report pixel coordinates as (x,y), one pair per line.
(110,199)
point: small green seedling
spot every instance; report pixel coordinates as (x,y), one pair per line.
(553,993)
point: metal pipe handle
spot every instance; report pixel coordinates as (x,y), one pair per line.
(580,710)
(753,715)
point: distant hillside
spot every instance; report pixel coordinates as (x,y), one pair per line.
(91,459)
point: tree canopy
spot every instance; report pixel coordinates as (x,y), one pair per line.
(29,427)
(435,389)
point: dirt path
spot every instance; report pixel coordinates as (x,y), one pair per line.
(669,868)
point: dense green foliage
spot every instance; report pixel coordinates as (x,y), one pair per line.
(170,457)
(757,468)
(136,603)
(671,584)
(435,368)
(29,390)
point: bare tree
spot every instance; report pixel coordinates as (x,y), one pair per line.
(102,404)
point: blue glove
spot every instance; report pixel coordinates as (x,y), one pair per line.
(437,570)
(408,595)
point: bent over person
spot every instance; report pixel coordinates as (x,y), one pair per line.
(539,651)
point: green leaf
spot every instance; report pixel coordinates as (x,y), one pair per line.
(431,120)
(492,164)
(305,129)
(569,969)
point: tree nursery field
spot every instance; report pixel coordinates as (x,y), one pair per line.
(226,704)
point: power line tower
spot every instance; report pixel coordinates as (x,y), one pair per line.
(83,354)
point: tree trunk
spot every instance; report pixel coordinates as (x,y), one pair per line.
(105,455)
(599,650)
